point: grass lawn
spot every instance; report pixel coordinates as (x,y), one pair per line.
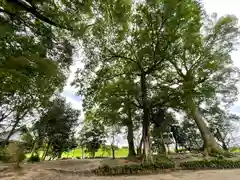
(78,153)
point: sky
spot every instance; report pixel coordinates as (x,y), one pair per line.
(221,7)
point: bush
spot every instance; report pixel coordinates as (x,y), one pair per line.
(15,153)
(211,164)
(34,158)
(133,169)
(4,156)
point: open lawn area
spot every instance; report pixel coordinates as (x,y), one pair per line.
(122,152)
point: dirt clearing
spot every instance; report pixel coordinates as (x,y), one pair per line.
(70,170)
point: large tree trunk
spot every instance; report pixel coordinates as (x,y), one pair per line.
(131,149)
(146,120)
(210,144)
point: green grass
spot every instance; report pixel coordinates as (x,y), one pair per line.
(235,150)
(78,153)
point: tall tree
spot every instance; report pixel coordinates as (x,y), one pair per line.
(204,69)
(141,50)
(56,126)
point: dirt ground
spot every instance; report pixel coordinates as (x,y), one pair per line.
(71,170)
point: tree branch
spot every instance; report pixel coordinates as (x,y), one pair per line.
(32,9)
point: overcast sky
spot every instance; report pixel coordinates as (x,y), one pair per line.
(221,7)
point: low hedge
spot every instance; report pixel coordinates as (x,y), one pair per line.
(106,170)
(211,164)
(34,158)
(132,169)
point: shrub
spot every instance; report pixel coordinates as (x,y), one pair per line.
(211,164)
(4,156)
(34,158)
(133,169)
(15,153)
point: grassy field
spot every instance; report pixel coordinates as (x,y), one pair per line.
(78,153)
(122,152)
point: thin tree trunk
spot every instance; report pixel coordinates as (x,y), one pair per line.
(113,151)
(34,148)
(82,152)
(162,149)
(18,118)
(59,155)
(46,151)
(131,149)
(222,140)
(210,144)
(176,147)
(139,149)
(12,131)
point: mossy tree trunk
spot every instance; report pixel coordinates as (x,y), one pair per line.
(210,144)
(146,120)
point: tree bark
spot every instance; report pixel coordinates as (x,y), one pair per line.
(176,147)
(162,149)
(146,120)
(12,130)
(34,148)
(131,149)
(139,149)
(210,144)
(18,118)
(46,151)
(113,151)
(220,137)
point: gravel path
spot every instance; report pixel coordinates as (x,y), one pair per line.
(42,171)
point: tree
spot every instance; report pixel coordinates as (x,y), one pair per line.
(34,60)
(56,126)
(194,139)
(204,70)
(117,104)
(113,132)
(62,15)
(93,134)
(140,50)
(221,123)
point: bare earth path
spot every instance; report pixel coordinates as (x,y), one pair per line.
(44,171)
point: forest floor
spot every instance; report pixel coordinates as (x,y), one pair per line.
(72,170)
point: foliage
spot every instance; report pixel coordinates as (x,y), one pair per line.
(34,158)
(92,135)
(34,60)
(211,164)
(16,153)
(161,166)
(56,126)
(4,156)
(106,170)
